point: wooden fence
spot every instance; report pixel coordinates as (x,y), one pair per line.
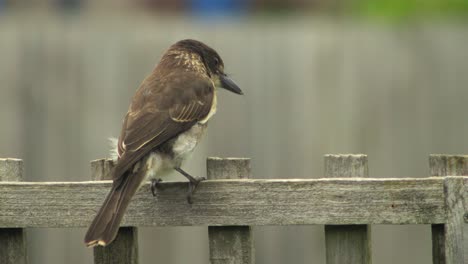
(229,203)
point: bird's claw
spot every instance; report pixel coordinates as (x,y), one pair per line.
(154,185)
(192,186)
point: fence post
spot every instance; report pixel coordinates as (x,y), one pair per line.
(347,243)
(449,240)
(124,249)
(230,244)
(12,240)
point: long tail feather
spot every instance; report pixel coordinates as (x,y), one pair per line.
(105,225)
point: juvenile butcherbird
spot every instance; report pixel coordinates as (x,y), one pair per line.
(166,119)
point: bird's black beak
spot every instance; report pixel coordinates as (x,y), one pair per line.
(229,84)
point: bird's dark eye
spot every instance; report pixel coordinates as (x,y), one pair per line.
(216,62)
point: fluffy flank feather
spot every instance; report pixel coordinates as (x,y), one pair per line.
(114,154)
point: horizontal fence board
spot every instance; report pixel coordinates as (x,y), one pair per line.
(232,202)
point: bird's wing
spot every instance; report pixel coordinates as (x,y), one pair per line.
(161,110)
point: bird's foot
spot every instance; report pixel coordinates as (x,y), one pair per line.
(154,185)
(193,183)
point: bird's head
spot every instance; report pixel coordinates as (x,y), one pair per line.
(198,56)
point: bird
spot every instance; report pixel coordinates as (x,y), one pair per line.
(166,119)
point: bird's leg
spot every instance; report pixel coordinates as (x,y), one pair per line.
(193,183)
(154,185)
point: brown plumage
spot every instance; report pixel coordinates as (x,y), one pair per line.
(165,120)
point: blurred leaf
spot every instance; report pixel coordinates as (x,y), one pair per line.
(404,9)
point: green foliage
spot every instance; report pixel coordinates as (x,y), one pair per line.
(404,9)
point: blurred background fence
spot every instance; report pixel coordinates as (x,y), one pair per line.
(313,83)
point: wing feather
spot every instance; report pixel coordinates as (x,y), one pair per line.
(159,112)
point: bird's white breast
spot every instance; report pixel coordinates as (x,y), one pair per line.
(160,164)
(187,141)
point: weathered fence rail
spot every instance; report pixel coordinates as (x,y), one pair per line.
(346,205)
(233,202)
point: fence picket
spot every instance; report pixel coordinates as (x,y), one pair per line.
(124,249)
(450,240)
(12,240)
(347,243)
(230,244)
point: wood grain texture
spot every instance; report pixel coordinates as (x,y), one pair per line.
(448,165)
(450,240)
(11,169)
(101,168)
(454,227)
(231,202)
(347,243)
(230,244)
(124,249)
(12,246)
(228,168)
(12,240)
(346,165)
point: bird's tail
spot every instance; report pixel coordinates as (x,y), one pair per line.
(105,225)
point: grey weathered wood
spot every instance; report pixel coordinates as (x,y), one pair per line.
(450,240)
(232,202)
(346,165)
(455,247)
(228,168)
(12,246)
(101,168)
(12,240)
(347,243)
(124,249)
(230,244)
(448,165)
(11,169)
